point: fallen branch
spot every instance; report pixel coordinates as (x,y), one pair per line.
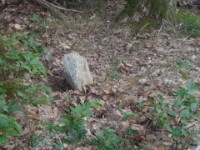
(65,9)
(52,9)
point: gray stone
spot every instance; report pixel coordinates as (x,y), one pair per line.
(76,71)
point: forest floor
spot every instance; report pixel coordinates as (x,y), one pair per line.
(128,69)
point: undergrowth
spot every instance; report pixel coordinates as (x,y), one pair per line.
(189,23)
(179,117)
(73,126)
(19,57)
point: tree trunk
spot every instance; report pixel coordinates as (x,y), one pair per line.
(171,11)
(164,9)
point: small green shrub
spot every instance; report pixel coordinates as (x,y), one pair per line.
(190,23)
(35,139)
(74,122)
(107,139)
(73,125)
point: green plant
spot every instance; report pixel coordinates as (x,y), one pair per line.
(184,66)
(73,123)
(35,139)
(21,61)
(190,23)
(8,127)
(107,139)
(41,23)
(176,117)
(35,18)
(19,55)
(128,141)
(114,73)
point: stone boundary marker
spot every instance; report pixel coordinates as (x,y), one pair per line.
(76,71)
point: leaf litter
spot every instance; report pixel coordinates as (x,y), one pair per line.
(128,69)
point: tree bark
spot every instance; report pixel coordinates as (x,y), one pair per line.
(171,11)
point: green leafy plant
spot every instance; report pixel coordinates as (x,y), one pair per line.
(190,23)
(128,141)
(19,55)
(35,139)
(74,122)
(176,117)
(35,18)
(73,125)
(21,61)
(8,127)
(107,139)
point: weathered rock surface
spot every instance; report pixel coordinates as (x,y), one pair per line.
(77,71)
